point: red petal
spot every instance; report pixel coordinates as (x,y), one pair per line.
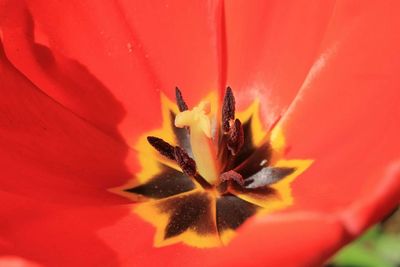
(261,241)
(271,46)
(301,239)
(372,205)
(48,153)
(116,43)
(64,238)
(88,236)
(346,117)
(13,261)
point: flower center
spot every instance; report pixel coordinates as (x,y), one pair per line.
(210,175)
(210,167)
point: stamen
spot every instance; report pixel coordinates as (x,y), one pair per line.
(187,164)
(236,137)
(200,139)
(232,176)
(161,146)
(179,100)
(228,109)
(180,156)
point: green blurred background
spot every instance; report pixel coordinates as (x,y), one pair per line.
(378,247)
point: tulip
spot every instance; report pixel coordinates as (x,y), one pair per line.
(82,83)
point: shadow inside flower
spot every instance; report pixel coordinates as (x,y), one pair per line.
(58,164)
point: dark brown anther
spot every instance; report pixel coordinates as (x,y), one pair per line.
(187,164)
(228,109)
(235,137)
(161,146)
(179,100)
(231,176)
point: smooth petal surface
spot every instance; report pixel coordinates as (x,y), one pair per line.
(115,41)
(271,46)
(64,237)
(346,117)
(48,153)
(12,261)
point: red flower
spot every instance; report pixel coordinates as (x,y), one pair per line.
(81,81)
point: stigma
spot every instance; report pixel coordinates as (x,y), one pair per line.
(198,123)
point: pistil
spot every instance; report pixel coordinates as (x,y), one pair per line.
(198,121)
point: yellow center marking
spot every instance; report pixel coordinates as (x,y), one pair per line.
(198,120)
